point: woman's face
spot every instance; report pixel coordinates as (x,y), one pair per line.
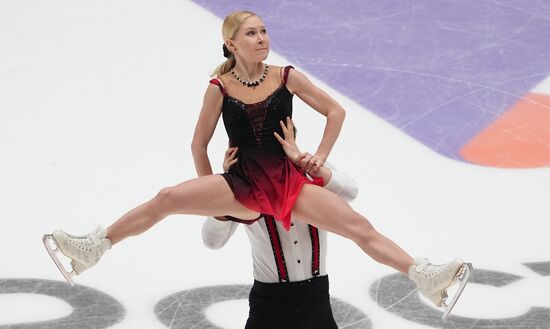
(251,42)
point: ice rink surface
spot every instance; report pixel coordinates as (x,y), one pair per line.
(98,103)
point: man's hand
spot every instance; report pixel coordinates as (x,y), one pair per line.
(289,143)
(230,158)
(307,162)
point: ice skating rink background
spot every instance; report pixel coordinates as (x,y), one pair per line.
(447,135)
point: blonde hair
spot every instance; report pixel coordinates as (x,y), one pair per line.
(231,24)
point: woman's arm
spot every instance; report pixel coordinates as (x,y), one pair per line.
(321,102)
(206,124)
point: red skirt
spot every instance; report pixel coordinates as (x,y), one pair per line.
(267,183)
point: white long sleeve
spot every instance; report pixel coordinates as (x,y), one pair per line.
(342,185)
(216,233)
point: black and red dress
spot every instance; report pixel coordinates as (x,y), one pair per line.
(264,179)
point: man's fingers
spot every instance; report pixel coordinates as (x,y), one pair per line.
(282,141)
(230,153)
(283,127)
(289,131)
(290,124)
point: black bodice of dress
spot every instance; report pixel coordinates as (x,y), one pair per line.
(252,125)
(263,179)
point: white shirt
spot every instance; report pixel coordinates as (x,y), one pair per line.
(296,244)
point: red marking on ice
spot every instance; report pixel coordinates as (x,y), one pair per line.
(520,138)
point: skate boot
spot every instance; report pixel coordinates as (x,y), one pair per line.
(83,251)
(434,280)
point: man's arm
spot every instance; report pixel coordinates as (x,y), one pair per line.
(341,184)
(216,233)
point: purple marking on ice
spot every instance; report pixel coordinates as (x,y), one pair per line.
(440,70)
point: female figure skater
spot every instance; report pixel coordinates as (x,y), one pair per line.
(255,100)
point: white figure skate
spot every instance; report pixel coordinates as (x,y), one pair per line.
(434,280)
(83,251)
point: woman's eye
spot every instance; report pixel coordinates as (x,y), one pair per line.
(250,33)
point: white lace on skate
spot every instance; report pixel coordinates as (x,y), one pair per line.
(83,251)
(429,270)
(86,250)
(87,242)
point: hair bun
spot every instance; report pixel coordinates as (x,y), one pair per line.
(226,52)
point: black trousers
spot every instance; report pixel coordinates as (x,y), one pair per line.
(291,305)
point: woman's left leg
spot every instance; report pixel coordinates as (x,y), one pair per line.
(320,207)
(324,209)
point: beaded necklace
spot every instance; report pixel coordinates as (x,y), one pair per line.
(251,84)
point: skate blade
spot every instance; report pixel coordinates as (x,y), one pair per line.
(48,241)
(463,276)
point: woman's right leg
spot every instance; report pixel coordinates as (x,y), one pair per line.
(205,196)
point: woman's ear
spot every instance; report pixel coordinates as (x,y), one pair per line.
(229,43)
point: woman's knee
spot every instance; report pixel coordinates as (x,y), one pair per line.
(165,199)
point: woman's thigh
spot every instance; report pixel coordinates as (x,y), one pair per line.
(322,208)
(206,195)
